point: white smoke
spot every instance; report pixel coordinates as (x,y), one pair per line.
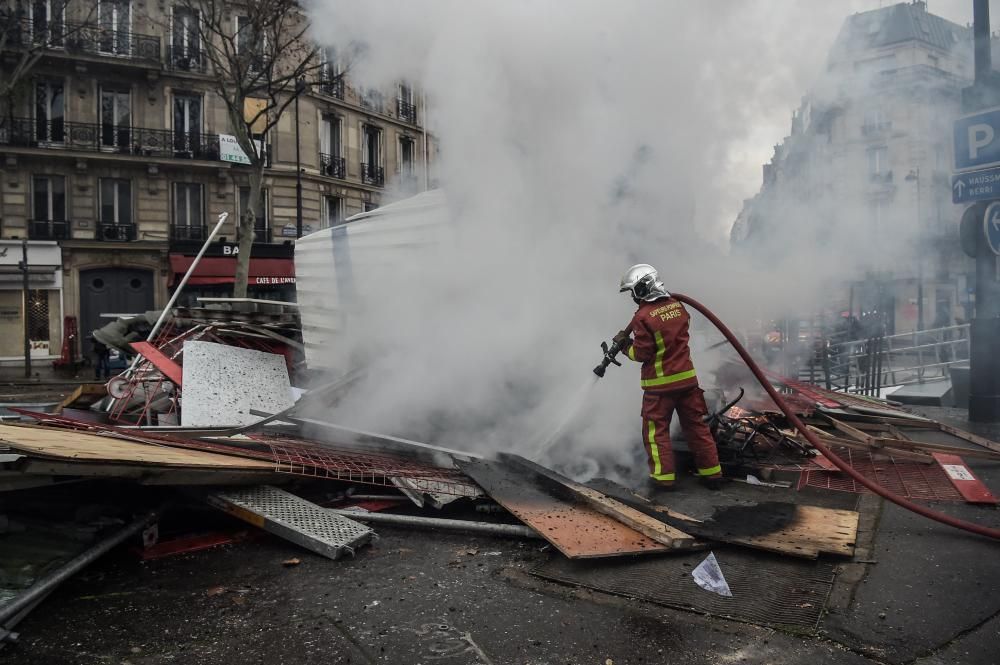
(576,138)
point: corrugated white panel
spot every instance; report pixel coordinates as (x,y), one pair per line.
(373,245)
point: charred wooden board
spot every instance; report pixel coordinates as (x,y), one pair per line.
(773,526)
(575,529)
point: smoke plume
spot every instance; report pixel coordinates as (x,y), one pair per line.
(576,138)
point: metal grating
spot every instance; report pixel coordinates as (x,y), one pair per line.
(309,459)
(912,480)
(295,519)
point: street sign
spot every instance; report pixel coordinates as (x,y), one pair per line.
(977,140)
(991,227)
(975,186)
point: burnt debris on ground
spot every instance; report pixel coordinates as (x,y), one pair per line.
(175,456)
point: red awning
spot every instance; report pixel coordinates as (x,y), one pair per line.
(221,269)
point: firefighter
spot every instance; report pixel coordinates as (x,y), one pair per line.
(658,337)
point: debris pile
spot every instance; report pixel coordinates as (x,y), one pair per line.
(207,422)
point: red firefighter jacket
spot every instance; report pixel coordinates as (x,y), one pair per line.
(660,342)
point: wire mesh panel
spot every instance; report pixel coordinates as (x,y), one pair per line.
(912,480)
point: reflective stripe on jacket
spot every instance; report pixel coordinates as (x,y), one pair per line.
(660,342)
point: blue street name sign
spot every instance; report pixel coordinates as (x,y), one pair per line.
(991,226)
(977,140)
(976,186)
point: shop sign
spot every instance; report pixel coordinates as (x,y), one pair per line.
(271,281)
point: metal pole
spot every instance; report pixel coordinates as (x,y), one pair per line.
(920,260)
(423,126)
(981,35)
(515,530)
(299,87)
(24,308)
(73,566)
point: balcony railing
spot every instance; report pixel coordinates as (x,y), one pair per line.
(185,232)
(48,229)
(101,137)
(116,231)
(881,178)
(372,174)
(406,111)
(332,86)
(186,59)
(332,166)
(84,38)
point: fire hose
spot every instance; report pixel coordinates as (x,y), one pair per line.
(609,358)
(818,445)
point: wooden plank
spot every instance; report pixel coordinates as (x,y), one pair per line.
(849,431)
(644,524)
(875,448)
(574,529)
(968,485)
(52,443)
(923,446)
(167,367)
(970,437)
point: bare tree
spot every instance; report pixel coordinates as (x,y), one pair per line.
(30,28)
(260,56)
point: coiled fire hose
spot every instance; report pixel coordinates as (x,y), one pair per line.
(815,442)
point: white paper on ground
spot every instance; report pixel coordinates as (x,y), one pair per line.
(753,480)
(708,575)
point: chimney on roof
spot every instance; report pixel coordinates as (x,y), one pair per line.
(920,4)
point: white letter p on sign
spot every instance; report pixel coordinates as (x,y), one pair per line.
(980,136)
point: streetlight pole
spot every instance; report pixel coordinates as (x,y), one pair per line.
(300,86)
(914,176)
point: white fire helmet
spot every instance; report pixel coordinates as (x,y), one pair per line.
(642,281)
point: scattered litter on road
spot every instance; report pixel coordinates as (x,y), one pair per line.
(708,575)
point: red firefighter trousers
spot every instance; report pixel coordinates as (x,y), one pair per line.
(657,410)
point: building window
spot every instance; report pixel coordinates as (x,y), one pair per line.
(49,111)
(189,212)
(368,206)
(406,156)
(250,45)
(116,118)
(331,79)
(48,215)
(406,108)
(333,214)
(261,228)
(114,17)
(330,157)
(187,125)
(878,164)
(372,171)
(47,21)
(116,210)
(38,315)
(185,46)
